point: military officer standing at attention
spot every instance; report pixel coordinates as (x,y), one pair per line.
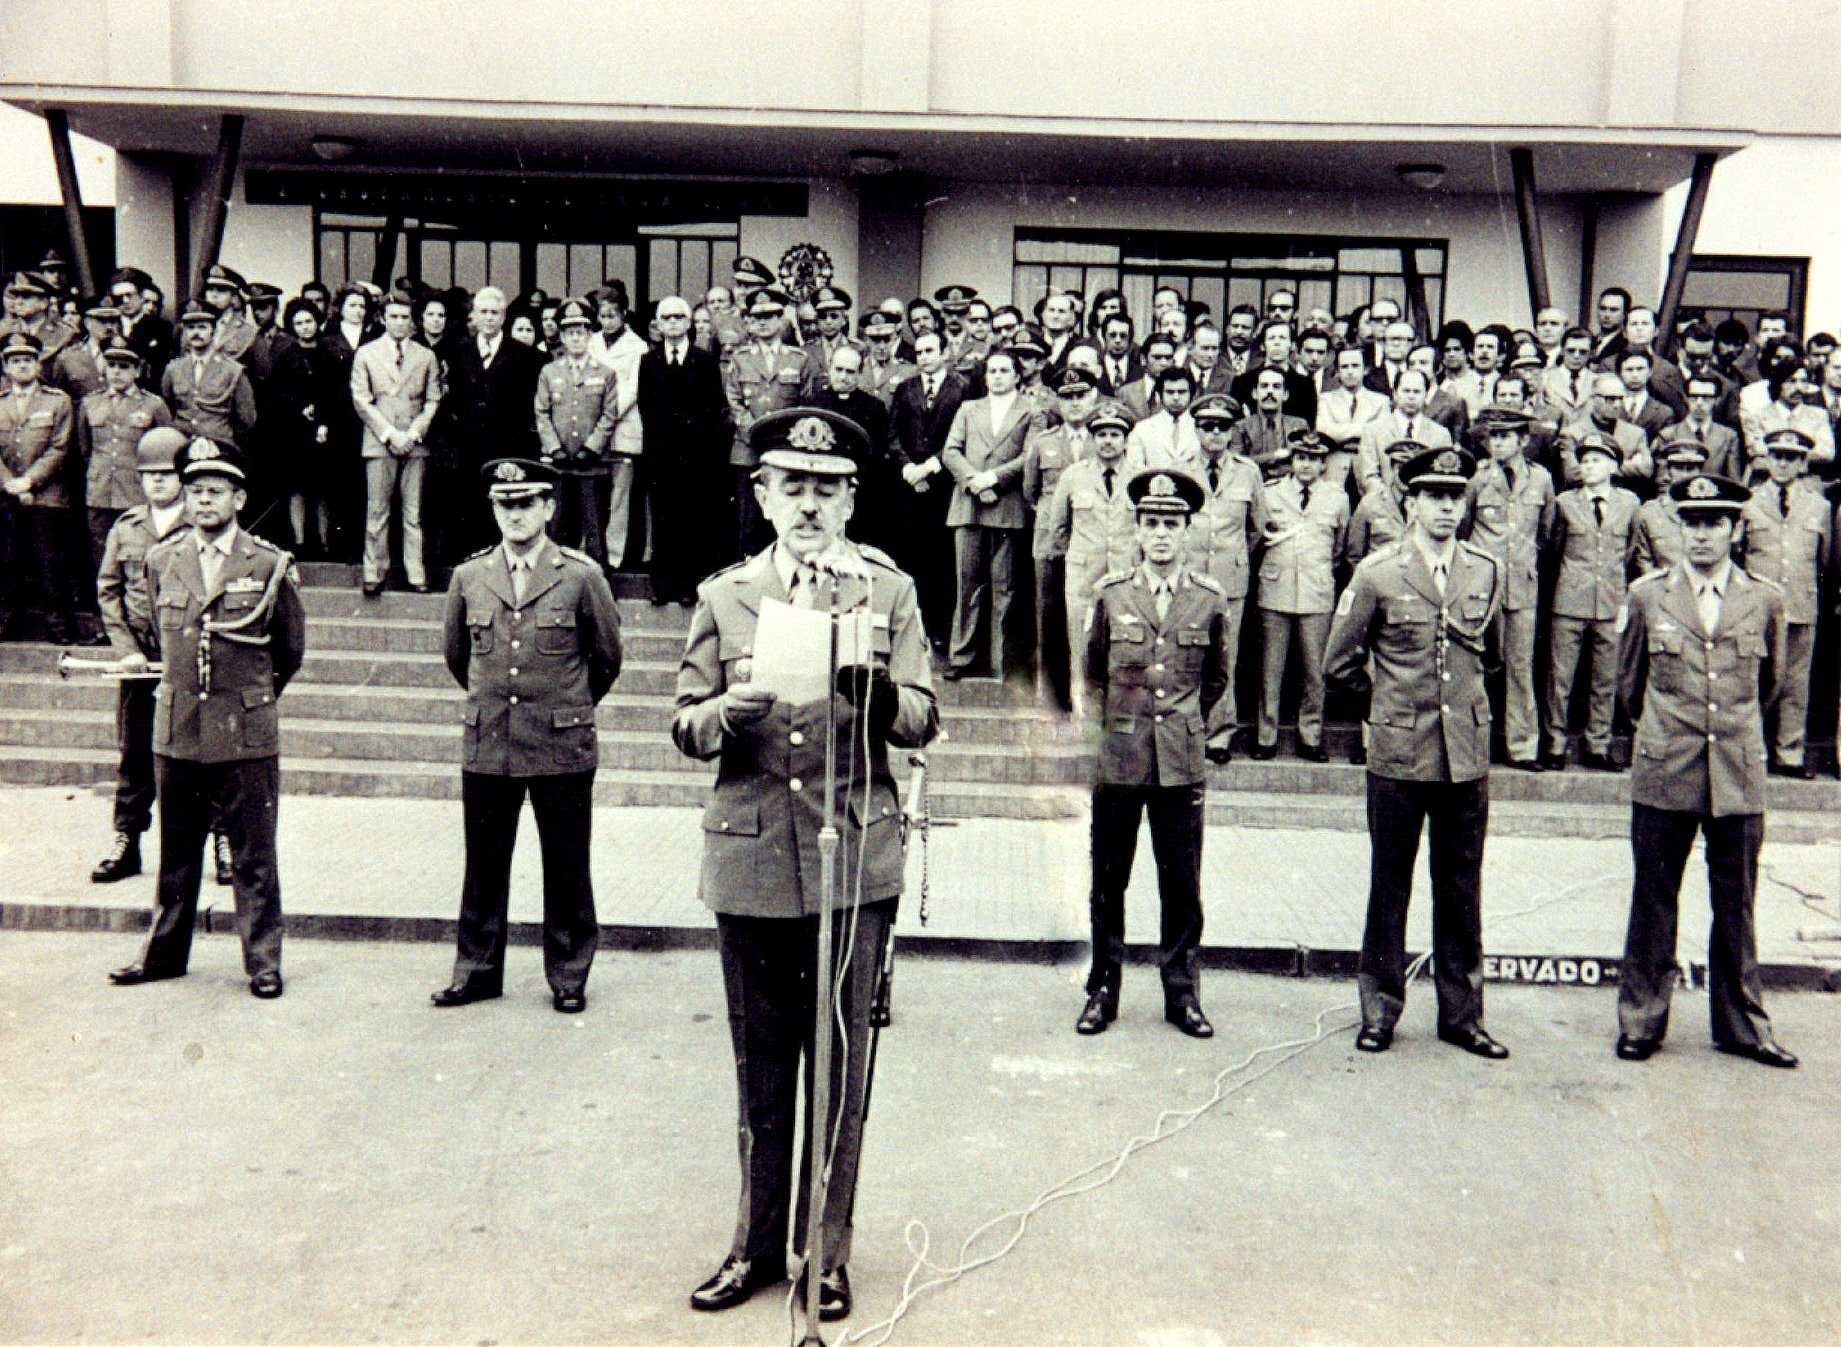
(1156,675)
(1786,530)
(764,375)
(1233,516)
(232,633)
(1422,621)
(760,854)
(532,634)
(1656,543)
(577,402)
(1701,654)
(1047,454)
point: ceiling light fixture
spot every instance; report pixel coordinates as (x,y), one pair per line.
(1425,177)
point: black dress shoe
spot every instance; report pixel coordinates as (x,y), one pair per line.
(1475,1042)
(736,1280)
(1314,753)
(1527,764)
(1766,1053)
(123,860)
(265,986)
(1554,762)
(1635,1049)
(464,994)
(1187,1015)
(220,852)
(834,1295)
(1102,1009)
(569,1003)
(373,589)
(1358,756)
(134,975)
(1262,752)
(1373,1038)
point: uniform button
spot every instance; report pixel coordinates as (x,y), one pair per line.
(1712,708)
(747,650)
(514,699)
(516,615)
(1713,738)
(514,645)
(1446,675)
(204,696)
(513,671)
(1158,693)
(1159,719)
(795,785)
(796,738)
(1445,710)
(725,825)
(1156,668)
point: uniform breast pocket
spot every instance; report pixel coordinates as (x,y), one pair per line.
(261,719)
(172,616)
(140,420)
(1408,611)
(789,376)
(237,604)
(555,631)
(572,741)
(1192,642)
(479,631)
(1475,607)
(1131,643)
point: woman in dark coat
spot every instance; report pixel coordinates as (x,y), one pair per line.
(309,392)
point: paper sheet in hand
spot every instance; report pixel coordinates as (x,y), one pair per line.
(792,649)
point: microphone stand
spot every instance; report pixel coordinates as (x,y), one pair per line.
(818,1115)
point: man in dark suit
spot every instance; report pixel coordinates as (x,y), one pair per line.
(685,419)
(878,478)
(146,330)
(493,393)
(1120,364)
(919,422)
(1275,349)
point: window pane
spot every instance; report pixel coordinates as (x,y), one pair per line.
(332,257)
(1067,278)
(1245,290)
(437,263)
(470,264)
(1212,291)
(693,268)
(722,263)
(360,255)
(1435,302)
(503,265)
(1390,287)
(1351,293)
(1315,295)
(1737,290)
(661,267)
(1101,278)
(553,269)
(1383,260)
(586,263)
(1137,290)
(1028,284)
(1431,261)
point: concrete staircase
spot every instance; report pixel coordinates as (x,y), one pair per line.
(374,712)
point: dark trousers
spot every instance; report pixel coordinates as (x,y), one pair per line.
(1660,840)
(564,808)
(242,797)
(767,972)
(1176,845)
(100,522)
(986,559)
(581,513)
(1052,672)
(42,567)
(691,534)
(751,531)
(1454,815)
(134,777)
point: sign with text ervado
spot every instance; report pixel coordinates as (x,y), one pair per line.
(1557,970)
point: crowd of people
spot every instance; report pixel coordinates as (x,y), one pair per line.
(1000,442)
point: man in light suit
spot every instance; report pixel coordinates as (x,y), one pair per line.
(761,836)
(1166,438)
(396,391)
(1701,650)
(984,454)
(1407,421)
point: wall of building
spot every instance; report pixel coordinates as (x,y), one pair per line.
(1781,197)
(28,177)
(830,223)
(969,230)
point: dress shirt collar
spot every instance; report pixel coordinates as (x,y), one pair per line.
(163,517)
(1435,556)
(222,544)
(1717,579)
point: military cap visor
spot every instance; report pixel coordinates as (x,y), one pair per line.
(21,343)
(1686,451)
(1503,418)
(1110,416)
(765,304)
(1598,444)
(1707,494)
(751,271)
(830,299)
(810,440)
(1026,343)
(262,292)
(195,312)
(1073,382)
(1219,408)
(1307,442)
(1788,441)
(1438,469)
(24,283)
(1165,492)
(510,479)
(117,351)
(573,313)
(207,458)
(955,298)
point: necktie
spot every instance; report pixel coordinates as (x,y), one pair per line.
(1411,426)
(1108,474)
(1598,510)
(1709,607)
(933,387)
(1577,375)
(1630,408)
(485,351)
(1783,500)
(1304,500)
(1214,476)
(211,563)
(399,356)
(1163,602)
(805,588)
(517,581)
(1438,577)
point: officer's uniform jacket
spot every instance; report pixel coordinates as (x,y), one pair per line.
(121,580)
(109,430)
(35,433)
(1378,520)
(1699,702)
(760,829)
(1428,717)
(1046,455)
(53,334)
(1158,687)
(576,409)
(231,716)
(1301,549)
(78,371)
(1657,541)
(216,401)
(1594,561)
(879,377)
(1087,526)
(1512,526)
(533,670)
(234,335)
(392,396)
(1234,512)
(759,380)
(1789,551)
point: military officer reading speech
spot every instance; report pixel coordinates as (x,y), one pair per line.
(1701,654)
(1422,619)
(1156,676)
(232,633)
(534,638)
(760,855)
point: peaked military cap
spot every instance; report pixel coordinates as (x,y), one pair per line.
(196,311)
(1072,381)
(1685,452)
(1165,491)
(221,275)
(1789,440)
(753,272)
(1438,468)
(574,313)
(1110,415)
(1215,408)
(102,309)
(517,478)
(264,292)
(207,458)
(955,298)
(877,325)
(1594,443)
(1308,443)
(1503,418)
(829,297)
(1705,493)
(810,439)
(1027,340)
(765,304)
(21,343)
(25,283)
(117,350)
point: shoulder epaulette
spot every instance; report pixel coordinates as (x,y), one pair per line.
(1764,580)
(133,514)
(168,542)
(877,555)
(477,555)
(264,544)
(575,555)
(1112,578)
(1647,576)
(732,567)
(1385,552)
(1207,582)
(1476,551)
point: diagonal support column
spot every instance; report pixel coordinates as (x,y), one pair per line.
(219,185)
(1683,257)
(1533,250)
(57,121)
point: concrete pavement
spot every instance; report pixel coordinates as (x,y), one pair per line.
(188,1165)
